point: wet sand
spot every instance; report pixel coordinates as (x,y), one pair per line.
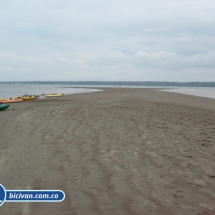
(117,151)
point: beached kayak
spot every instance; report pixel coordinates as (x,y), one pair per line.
(26,98)
(5,101)
(4,106)
(27,95)
(53,95)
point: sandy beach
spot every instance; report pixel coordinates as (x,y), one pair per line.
(113,152)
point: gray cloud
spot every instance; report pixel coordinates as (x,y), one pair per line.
(107,40)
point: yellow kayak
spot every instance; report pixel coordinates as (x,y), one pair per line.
(53,95)
(27,98)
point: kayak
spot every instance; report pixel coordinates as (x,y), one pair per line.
(53,95)
(18,98)
(5,101)
(26,98)
(27,95)
(4,106)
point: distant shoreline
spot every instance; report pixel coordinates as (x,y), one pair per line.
(118,83)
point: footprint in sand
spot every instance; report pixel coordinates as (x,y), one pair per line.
(179,195)
(206,206)
(150,203)
(204,213)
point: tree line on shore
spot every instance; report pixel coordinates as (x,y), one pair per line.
(117,83)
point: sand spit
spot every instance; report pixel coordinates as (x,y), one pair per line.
(117,151)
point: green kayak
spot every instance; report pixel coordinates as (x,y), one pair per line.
(4,106)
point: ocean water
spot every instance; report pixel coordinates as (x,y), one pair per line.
(207,92)
(14,90)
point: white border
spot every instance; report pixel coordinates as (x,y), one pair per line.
(3,201)
(34,200)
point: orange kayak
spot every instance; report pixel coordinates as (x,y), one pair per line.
(4,101)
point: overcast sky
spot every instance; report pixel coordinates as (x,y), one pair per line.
(107,40)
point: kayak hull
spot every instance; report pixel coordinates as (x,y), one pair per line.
(4,106)
(28,98)
(53,95)
(6,101)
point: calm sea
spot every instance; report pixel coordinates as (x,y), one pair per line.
(14,90)
(207,92)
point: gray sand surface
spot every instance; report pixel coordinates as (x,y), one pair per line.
(117,152)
